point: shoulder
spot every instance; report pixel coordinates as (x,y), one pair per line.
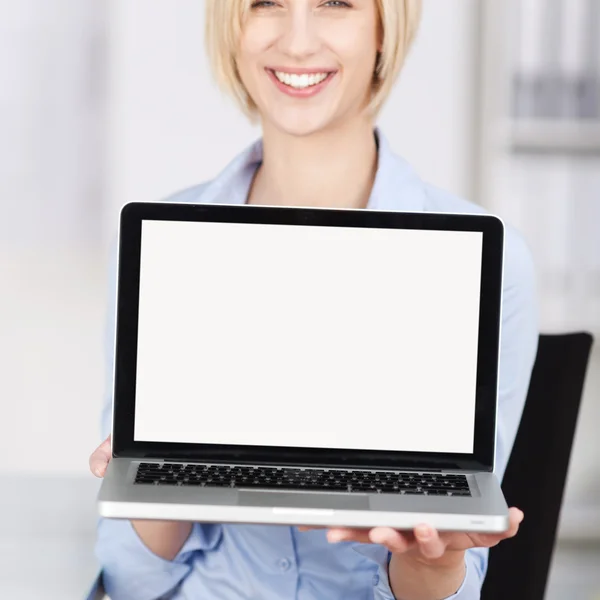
(190,195)
(519,267)
(229,186)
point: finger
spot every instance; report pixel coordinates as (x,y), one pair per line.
(517,514)
(392,539)
(429,542)
(345,534)
(515,517)
(304,528)
(488,540)
(100,458)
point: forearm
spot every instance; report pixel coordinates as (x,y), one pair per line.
(163,538)
(143,559)
(412,579)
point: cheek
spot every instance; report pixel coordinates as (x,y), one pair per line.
(256,40)
(355,47)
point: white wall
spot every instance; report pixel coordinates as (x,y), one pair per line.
(48,118)
(431,114)
(51,273)
(170,127)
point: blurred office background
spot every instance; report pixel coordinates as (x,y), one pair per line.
(107,102)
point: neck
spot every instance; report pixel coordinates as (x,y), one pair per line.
(333,168)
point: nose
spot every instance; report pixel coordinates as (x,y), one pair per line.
(299,38)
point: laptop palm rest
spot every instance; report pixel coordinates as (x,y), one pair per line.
(303,500)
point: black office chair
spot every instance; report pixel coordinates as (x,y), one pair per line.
(536,473)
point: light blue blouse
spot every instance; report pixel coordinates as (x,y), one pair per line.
(228,562)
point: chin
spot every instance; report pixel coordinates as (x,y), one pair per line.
(301,123)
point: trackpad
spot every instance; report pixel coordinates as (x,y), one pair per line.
(304,500)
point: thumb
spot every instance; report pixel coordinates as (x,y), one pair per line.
(101,457)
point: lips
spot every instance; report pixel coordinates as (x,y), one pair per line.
(301,82)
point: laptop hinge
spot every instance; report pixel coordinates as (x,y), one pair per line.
(298,466)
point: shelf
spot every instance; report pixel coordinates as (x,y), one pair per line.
(553,137)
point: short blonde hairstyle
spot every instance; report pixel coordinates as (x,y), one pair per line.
(398,19)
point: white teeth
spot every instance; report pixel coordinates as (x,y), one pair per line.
(300,82)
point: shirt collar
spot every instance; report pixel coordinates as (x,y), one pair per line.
(396,186)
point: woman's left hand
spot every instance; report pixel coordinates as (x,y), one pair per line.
(419,556)
(425,542)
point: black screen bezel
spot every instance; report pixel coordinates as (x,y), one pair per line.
(130,235)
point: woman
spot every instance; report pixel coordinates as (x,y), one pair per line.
(315,73)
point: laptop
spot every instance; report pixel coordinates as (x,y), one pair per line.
(306,366)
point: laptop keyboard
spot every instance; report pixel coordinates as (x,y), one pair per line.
(374,482)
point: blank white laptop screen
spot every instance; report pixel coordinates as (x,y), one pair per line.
(305,336)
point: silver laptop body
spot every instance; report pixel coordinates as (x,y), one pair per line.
(306,367)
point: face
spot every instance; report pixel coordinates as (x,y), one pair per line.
(308,64)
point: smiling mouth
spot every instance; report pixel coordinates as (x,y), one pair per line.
(301,81)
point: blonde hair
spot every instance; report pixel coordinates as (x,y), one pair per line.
(398,19)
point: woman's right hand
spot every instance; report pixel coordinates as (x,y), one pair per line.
(164,538)
(100,458)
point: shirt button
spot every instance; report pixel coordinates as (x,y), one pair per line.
(285,564)
(375,579)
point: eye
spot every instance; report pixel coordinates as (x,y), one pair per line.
(262,4)
(329,3)
(337,4)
